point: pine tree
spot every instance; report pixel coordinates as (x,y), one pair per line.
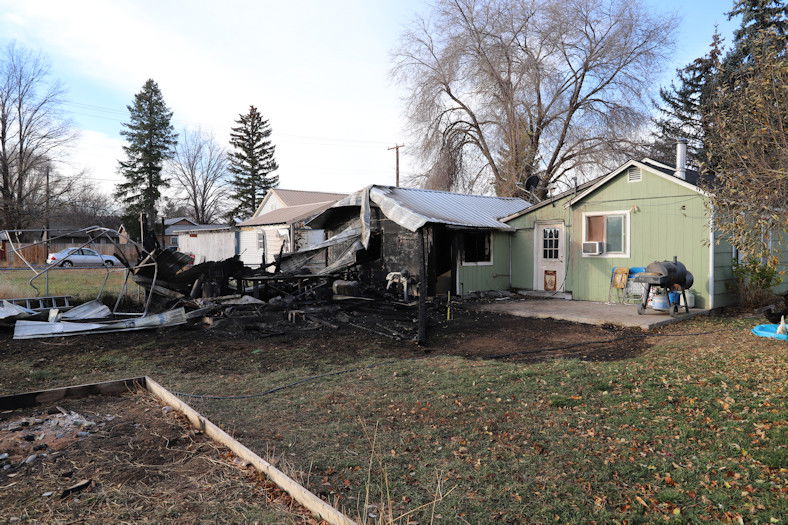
(251,163)
(150,141)
(764,21)
(684,109)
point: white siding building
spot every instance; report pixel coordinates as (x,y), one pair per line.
(209,242)
(277,225)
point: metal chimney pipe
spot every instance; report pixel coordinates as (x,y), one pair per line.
(681,159)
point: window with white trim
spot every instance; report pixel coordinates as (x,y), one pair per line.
(261,241)
(477,247)
(609,229)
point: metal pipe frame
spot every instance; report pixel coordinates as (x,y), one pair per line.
(94,233)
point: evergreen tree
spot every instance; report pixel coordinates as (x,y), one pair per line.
(683,110)
(251,162)
(150,141)
(764,21)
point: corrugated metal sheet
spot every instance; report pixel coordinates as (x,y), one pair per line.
(413,208)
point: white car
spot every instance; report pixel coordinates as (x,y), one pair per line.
(81,257)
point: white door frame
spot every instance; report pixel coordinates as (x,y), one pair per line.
(562,250)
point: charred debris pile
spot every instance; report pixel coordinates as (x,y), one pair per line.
(226,295)
(291,294)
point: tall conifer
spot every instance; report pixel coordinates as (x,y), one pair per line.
(150,141)
(683,109)
(252,162)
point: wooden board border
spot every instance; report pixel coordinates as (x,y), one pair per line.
(298,492)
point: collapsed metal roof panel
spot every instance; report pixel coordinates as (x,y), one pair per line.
(412,208)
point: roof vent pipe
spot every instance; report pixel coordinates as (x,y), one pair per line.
(681,159)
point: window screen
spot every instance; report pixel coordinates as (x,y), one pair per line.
(550,243)
(614,231)
(476,247)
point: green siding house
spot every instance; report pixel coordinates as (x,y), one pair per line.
(644,211)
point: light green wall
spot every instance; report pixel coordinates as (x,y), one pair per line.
(489,277)
(669,220)
(523,241)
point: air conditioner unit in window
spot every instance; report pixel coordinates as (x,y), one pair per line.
(593,248)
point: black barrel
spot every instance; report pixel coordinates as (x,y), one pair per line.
(675,272)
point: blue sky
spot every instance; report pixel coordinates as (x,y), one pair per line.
(318,70)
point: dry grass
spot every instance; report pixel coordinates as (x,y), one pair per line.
(82,283)
(143,467)
(681,429)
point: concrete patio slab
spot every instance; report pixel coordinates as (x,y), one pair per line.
(588,312)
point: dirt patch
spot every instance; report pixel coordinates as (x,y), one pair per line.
(471,334)
(127,458)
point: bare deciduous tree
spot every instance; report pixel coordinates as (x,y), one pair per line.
(33,132)
(199,170)
(529,87)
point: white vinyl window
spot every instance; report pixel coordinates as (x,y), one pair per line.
(261,241)
(611,228)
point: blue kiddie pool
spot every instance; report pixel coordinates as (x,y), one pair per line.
(769,330)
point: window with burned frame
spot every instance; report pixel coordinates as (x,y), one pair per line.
(477,247)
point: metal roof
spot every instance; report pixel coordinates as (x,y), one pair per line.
(412,208)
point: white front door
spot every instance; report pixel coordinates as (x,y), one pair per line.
(549,258)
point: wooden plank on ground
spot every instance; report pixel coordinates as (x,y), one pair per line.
(28,399)
(306,498)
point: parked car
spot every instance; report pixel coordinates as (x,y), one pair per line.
(81,257)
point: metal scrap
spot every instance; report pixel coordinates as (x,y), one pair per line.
(89,310)
(39,329)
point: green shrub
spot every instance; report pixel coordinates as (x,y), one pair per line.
(754,280)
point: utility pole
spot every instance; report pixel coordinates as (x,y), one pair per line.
(46,229)
(396,148)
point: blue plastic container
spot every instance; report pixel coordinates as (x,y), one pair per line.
(675,297)
(769,330)
(636,270)
(659,302)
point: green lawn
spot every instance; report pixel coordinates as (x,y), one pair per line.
(688,430)
(82,283)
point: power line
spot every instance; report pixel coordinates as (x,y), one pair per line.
(116,115)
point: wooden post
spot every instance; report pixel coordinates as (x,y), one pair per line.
(319,507)
(423,289)
(299,493)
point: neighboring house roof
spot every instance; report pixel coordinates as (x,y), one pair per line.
(288,214)
(300,197)
(203,228)
(297,198)
(180,228)
(412,208)
(176,220)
